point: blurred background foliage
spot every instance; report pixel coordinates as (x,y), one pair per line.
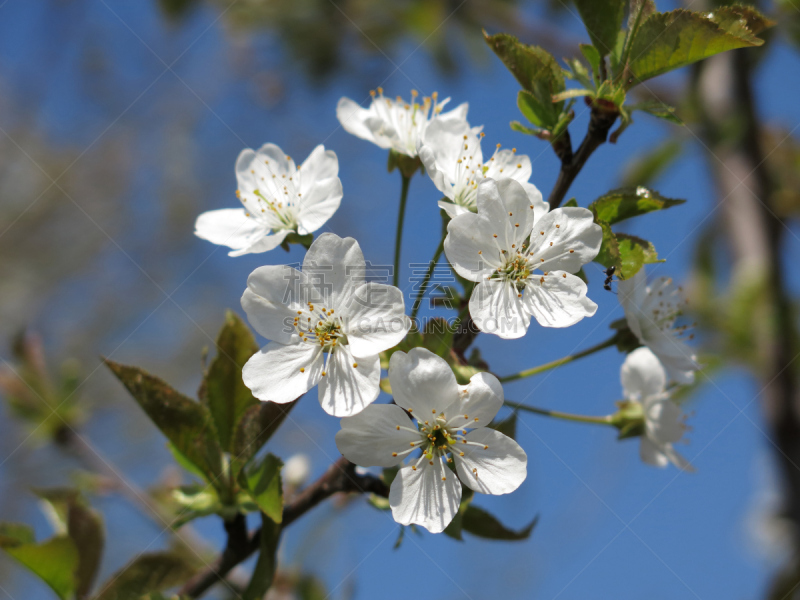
(120,122)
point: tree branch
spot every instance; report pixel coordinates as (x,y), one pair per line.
(600,123)
(340,477)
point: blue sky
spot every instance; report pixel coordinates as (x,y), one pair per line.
(608,524)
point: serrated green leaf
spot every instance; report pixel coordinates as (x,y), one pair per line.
(537,72)
(264,571)
(226,394)
(591,54)
(649,254)
(657,109)
(608,256)
(669,41)
(631,256)
(54,561)
(147,573)
(624,203)
(480,523)
(263,482)
(254,429)
(186,424)
(603,21)
(71,515)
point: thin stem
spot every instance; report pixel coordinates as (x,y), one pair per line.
(606,420)
(561,361)
(424,287)
(398,240)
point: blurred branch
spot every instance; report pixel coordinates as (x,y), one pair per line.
(341,476)
(733,134)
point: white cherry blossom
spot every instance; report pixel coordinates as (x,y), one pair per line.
(395,124)
(651,311)
(327,325)
(451,153)
(644,383)
(523,264)
(278,199)
(448,428)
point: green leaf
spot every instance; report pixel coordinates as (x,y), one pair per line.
(603,21)
(573,93)
(71,515)
(624,203)
(480,523)
(543,134)
(609,255)
(631,257)
(255,428)
(537,72)
(668,41)
(649,253)
(264,571)
(263,482)
(185,423)
(194,501)
(147,573)
(657,109)
(593,56)
(226,394)
(571,202)
(54,561)
(507,426)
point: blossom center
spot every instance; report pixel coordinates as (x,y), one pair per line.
(318,325)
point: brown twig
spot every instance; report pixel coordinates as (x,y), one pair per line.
(600,123)
(340,477)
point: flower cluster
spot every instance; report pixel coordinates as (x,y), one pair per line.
(330,328)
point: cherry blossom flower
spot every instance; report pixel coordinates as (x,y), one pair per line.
(395,124)
(523,264)
(651,311)
(327,325)
(447,424)
(278,199)
(644,386)
(451,153)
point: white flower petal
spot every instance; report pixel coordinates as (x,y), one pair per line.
(441,148)
(540,207)
(452,210)
(273,373)
(375,319)
(263,244)
(270,301)
(428,497)
(642,375)
(346,389)
(505,204)
(352,117)
(369,438)
(651,454)
(496,307)
(470,247)
(458,113)
(229,227)
(677,459)
(497,465)
(559,301)
(422,382)
(318,204)
(662,420)
(562,230)
(506,164)
(320,164)
(480,403)
(335,267)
